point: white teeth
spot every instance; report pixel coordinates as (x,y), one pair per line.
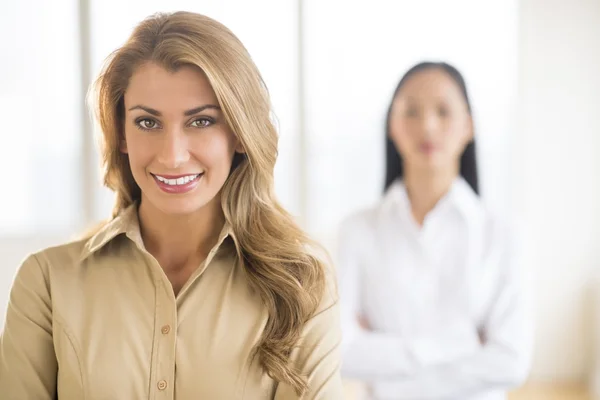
(179,181)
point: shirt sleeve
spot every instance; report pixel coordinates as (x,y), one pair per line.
(28,366)
(372,356)
(502,362)
(317,355)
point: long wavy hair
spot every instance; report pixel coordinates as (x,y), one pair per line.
(394,164)
(280,260)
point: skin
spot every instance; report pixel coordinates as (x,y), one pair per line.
(174,126)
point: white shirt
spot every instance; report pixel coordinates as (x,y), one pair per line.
(444,301)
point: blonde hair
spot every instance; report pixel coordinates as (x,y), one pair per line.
(273,249)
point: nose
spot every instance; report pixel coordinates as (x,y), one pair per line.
(173,150)
(430,124)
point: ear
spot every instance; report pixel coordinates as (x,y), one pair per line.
(123,146)
(239,148)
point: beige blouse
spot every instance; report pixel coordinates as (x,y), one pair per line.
(98,319)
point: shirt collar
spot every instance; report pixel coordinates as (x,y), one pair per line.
(127,223)
(460,197)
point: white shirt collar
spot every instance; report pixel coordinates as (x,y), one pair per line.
(461,197)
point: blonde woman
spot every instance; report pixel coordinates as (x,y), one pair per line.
(200,286)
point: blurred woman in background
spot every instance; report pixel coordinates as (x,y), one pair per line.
(432,304)
(200,286)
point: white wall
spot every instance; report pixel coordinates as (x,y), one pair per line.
(557,176)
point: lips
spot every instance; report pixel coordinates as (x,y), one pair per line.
(178,184)
(427,148)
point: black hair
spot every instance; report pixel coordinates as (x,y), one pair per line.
(394,168)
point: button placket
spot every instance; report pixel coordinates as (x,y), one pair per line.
(166,324)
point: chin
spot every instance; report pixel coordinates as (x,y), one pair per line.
(433,161)
(179,207)
(428,165)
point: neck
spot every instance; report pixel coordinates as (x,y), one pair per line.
(178,241)
(426,187)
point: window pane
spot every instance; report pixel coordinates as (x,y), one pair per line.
(40,108)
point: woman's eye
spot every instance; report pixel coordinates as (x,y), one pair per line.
(146,123)
(443,112)
(201,123)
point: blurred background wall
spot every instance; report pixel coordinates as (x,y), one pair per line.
(533,70)
(556,164)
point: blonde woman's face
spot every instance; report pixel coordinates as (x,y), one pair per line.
(179,145)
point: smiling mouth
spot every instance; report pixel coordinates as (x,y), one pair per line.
(177,180)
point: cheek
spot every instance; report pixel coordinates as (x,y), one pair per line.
(402,133)
(214,151)
(457,134)
(454,141)
(138,151)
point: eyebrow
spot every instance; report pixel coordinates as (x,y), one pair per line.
(187,113)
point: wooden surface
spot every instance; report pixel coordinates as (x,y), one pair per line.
(532,391)
(551,392)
